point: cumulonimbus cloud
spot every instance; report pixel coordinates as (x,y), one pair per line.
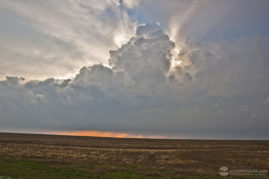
(136,81)
(141,92)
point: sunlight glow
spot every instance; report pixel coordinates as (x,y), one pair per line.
(120,39)
(174,59)
(106,134)
(100,134)
(175,63)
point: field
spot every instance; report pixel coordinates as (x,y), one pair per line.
(51,156)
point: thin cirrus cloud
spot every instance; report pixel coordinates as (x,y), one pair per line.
(173,78)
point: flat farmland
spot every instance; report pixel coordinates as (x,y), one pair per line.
(55,156)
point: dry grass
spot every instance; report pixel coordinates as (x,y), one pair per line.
(152,157)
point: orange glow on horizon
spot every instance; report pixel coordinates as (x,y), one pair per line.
(104,134)
(99,134)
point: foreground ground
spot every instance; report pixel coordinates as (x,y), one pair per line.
(48,156)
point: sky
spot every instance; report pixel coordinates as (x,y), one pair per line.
(135,68)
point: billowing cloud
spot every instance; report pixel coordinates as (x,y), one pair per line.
(201,71)
(143,93)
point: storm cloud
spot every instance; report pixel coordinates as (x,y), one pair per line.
(155,79)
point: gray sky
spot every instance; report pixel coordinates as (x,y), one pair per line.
(175,68)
